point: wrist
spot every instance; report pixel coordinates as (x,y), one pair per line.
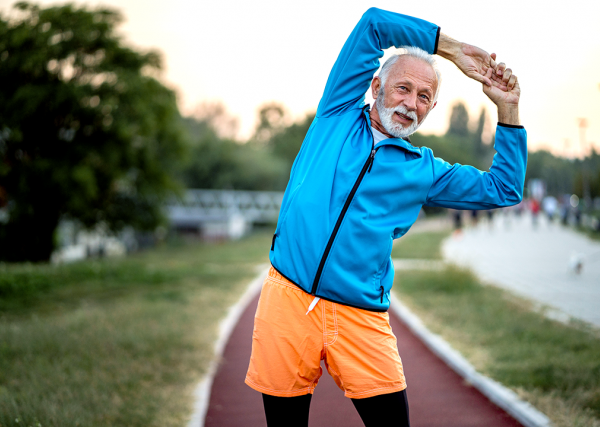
(509,114)
(448,48)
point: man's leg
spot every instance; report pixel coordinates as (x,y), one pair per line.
(287,411)
(385,410)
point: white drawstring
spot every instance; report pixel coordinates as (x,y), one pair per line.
(312,304)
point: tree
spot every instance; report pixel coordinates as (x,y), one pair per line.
(271,119)
(219,162)
(459,121)
(286,142)
(87,132)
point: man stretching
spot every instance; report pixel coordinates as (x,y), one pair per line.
(356,185)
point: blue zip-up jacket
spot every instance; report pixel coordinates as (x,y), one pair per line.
(347,200)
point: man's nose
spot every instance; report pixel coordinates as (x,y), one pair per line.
(410,101)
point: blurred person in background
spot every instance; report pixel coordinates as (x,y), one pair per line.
(474,218)
(550,205)
(534,207)
(457,221)
(356,185)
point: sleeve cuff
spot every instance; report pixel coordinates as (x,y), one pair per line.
(437,40)
(510,126)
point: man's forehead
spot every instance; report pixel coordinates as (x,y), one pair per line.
(415,68)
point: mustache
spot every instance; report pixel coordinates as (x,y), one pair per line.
(402,110)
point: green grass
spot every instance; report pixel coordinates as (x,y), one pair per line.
(555,366)
(592,234)
(118,342)
(424,245)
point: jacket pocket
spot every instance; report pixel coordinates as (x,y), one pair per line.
(382,265)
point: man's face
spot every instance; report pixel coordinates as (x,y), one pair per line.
(407,97)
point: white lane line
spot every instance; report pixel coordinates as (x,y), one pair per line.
(203,389)
(506,399)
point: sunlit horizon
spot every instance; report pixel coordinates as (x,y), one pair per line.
(247,54)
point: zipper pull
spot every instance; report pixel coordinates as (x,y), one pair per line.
(371,159)
(381,287)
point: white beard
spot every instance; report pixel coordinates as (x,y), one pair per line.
(394,128)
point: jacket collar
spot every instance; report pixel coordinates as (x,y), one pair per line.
(403,143)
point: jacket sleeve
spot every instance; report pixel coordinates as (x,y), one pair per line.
(465,187)
(353,70)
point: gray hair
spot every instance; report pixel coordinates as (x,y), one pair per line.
(413,52)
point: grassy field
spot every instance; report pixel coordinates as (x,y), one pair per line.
(554,366)
(424,245)
(119,342)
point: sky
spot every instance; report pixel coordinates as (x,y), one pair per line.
(245,54)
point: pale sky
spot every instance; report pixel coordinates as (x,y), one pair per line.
(246,53)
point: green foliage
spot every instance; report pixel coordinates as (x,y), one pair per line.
(450,148)
(85,130)
(262,163)
(565,176)
(590,166)
(222,163)
(558,173)
(459,121)
(286,143)
(271,117)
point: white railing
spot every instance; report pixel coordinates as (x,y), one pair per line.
(199,206)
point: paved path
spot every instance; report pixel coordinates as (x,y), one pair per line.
(437,395)
(533,262)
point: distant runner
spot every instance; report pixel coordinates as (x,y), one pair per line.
(356,185)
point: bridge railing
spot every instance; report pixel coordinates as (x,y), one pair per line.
(197,206)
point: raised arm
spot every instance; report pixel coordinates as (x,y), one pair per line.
(465,187)
(353,70)
(378,30)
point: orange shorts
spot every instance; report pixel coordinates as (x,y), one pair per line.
(357,346)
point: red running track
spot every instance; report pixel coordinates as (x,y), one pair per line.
(437,396)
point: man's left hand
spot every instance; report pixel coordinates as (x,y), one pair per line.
(505,93)
(505,87)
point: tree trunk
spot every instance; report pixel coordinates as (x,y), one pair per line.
(29,238)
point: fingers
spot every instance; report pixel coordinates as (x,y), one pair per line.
(500,69)
(508,80)
(485,78)
(497,82)
(512,82)
(503,78)
(493,61)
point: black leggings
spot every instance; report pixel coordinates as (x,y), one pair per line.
(385,410)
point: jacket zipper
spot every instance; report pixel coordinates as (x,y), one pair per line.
(366,167)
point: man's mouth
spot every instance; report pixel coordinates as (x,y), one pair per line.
(403,116)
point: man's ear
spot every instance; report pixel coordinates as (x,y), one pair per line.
(375,87)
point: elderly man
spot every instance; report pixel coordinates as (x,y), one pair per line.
(356,185)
